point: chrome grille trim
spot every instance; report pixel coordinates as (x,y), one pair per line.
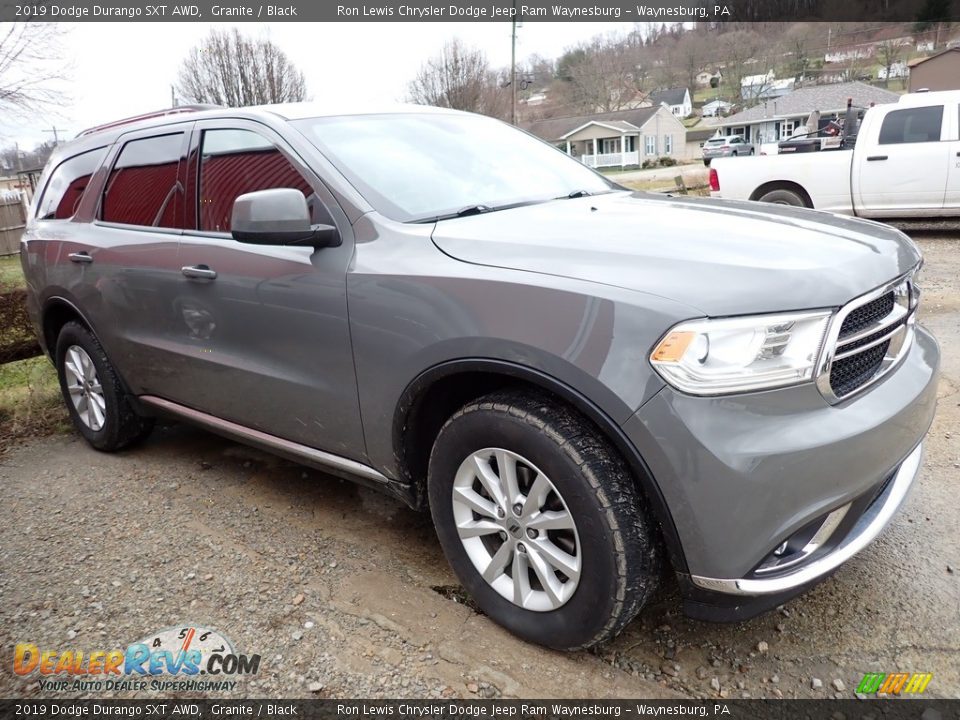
(900,322)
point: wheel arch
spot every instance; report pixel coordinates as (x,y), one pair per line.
(783,185)
(431,398)
(56,312)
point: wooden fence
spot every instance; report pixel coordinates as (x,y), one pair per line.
(13,215)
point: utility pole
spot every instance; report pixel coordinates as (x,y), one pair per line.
(56,136)
(173,97)
(513,65)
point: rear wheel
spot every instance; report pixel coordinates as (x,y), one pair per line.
(783,197)
(93,393)
(541,520)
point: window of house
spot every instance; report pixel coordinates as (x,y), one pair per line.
(912,125)
(235,162)
(67,184)
(650,144)
(632,143)
(144,186)
(611,145)
(667,144)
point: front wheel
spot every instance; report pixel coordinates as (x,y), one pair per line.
(541,520)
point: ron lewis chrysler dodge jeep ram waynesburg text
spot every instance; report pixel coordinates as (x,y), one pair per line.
(576,380)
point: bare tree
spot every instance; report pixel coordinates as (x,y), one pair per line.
(889,52)
(742,53)
(233,70)
(799,42)
(30,68)
(460,78)
(691,53)
(603,75)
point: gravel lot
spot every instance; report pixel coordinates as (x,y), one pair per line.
(333,584)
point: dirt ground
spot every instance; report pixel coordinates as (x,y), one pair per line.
(335,586)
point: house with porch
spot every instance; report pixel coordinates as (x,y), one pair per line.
(624,138)
(776,119)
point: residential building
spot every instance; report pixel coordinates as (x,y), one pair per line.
(624,138)
(676,99)
(776,119)
(715,108)
(937,72)
(696,137)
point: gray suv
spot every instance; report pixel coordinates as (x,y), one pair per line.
(580,384)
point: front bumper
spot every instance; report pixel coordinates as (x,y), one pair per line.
(741,475)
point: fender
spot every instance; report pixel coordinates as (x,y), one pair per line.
(610,429)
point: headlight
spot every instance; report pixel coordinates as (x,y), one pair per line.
(729,355)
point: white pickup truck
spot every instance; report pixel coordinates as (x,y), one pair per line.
(905,162)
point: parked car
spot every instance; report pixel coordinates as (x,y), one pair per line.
(725,146)
(576,380)
(903,161)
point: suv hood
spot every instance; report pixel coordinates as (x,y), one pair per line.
(720,257)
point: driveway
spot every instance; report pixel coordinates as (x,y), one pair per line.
(345,593)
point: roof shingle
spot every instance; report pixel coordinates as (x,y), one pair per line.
(825,98)
(555,128)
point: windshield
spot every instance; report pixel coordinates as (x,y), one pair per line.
(421,167)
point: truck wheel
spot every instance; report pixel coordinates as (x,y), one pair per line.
(541,520)
(783,197)
(94,395)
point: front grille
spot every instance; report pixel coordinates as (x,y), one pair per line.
(848,374)
(872,333)
(865,315)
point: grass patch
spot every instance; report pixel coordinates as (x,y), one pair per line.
(30,401)
(11,274)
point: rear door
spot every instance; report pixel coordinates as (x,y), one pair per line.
(264,334)
(122,265)
(902,169)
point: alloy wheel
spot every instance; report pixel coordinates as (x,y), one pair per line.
(516,529)
(84,387)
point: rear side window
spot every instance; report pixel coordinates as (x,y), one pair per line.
(234,162)
(912,125)
(144,186)
(67,184)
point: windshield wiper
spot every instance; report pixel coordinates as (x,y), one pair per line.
(576,194)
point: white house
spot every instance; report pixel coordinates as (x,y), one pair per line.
(897,70)
(716,107)
(676,99)
(624,138)
(762,87)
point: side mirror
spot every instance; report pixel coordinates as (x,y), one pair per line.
(278,217)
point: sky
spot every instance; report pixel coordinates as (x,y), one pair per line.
(121,69)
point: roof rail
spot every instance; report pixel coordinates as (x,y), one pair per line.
(147,116)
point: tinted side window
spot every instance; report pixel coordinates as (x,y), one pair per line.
(235,162)
(912,125)
(144,186)
(67,184)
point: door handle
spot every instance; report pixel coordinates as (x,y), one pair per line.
(80,257)
(201,272)
(876,157)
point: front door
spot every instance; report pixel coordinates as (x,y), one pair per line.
(265,328)
(904,170)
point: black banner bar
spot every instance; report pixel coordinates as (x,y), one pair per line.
(888,709)
(659,11)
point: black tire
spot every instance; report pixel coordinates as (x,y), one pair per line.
(706,162)
(619,548)
(784,197)
(121,425)
(751,152)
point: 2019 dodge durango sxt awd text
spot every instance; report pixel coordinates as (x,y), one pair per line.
(577,381)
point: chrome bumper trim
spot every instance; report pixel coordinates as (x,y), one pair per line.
(862,534)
